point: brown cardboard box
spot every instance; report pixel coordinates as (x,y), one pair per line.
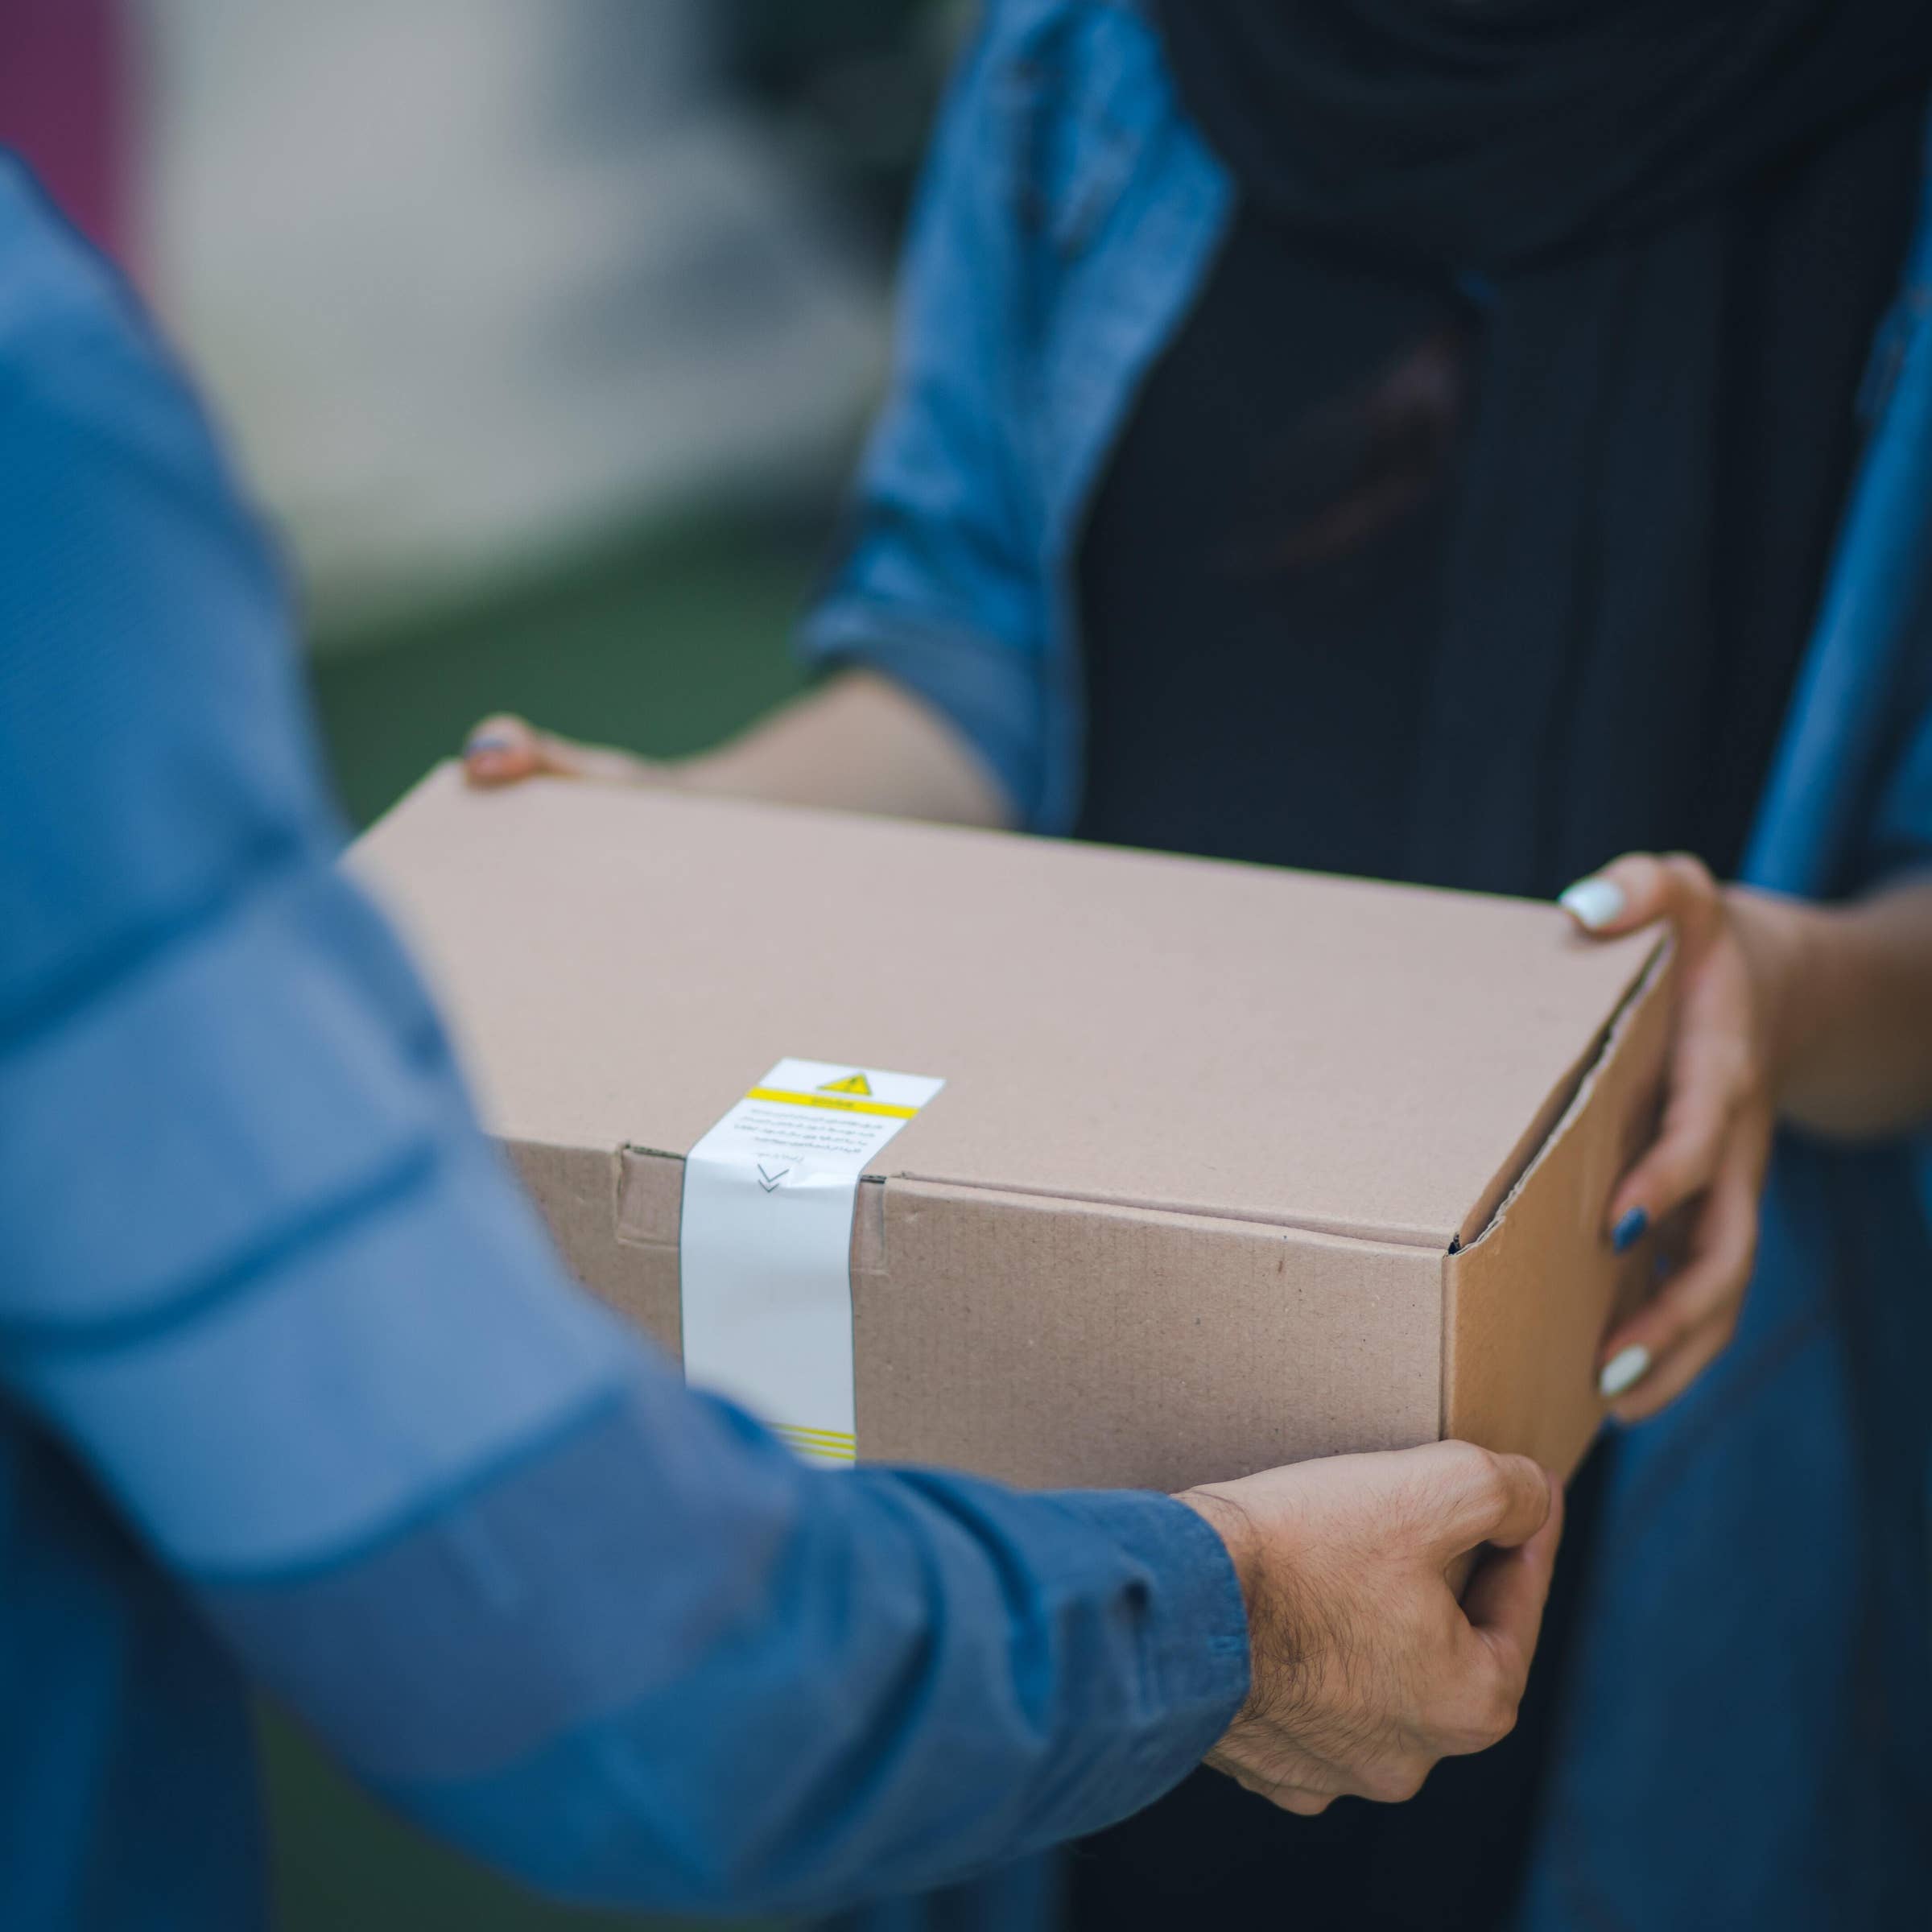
(1232,1166)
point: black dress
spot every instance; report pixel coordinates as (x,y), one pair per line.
(1262,583)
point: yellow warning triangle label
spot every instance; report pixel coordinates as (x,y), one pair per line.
(853,1083)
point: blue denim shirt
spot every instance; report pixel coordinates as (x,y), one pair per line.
(1743,1740)
(291,1383)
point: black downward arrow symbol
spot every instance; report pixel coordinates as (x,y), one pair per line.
(768,1178)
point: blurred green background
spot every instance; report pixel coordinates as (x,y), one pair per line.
(663,642)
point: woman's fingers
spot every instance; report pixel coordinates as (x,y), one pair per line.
(500,750)
(1711,1082)
(1661,1350)
(505,749)
(1716,1135)
(1643,887)
(1695,1350)
(1714,1060)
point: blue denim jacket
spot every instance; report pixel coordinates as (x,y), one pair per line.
(1743,1740)
(290,1380)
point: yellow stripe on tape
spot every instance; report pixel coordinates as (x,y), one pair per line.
(786,1099)
(818,1442)
(837,1438)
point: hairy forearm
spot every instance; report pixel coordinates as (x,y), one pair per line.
(1850,1007)
(857,743)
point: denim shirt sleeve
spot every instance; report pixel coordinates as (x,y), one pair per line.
(1849,799)
(262,1272)
(941,586)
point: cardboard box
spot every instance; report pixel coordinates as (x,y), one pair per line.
(1232,1166)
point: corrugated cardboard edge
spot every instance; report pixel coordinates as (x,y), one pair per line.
(1402,1234)
(969,1356)
(1558,1109)
(1519,1355)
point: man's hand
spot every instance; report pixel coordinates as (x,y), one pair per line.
(1367,1669)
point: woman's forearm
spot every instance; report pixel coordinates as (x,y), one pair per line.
(858,743)
(1850,1007)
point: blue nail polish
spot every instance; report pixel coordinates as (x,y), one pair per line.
(1630,1230)
(486,741)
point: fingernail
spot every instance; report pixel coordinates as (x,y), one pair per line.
(1630,1230)
(1593,903)
(486,743)
(1623,1370)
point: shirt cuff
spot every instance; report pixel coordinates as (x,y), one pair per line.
(1197,1639)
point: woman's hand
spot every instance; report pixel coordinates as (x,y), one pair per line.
(1705,1171)
(857,742)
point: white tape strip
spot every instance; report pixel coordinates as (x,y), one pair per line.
(765,1249)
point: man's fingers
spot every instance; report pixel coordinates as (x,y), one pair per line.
(1504,1605)
(1470,1495)
(1509,1582)
(1304,1804)
(1301,1786)
(1386,1672)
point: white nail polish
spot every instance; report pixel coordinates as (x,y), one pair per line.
(1623,1370)
(1593,903)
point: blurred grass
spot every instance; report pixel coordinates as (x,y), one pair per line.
(664,644)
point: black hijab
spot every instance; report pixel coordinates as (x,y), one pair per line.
(1590,165)
(1487,133)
